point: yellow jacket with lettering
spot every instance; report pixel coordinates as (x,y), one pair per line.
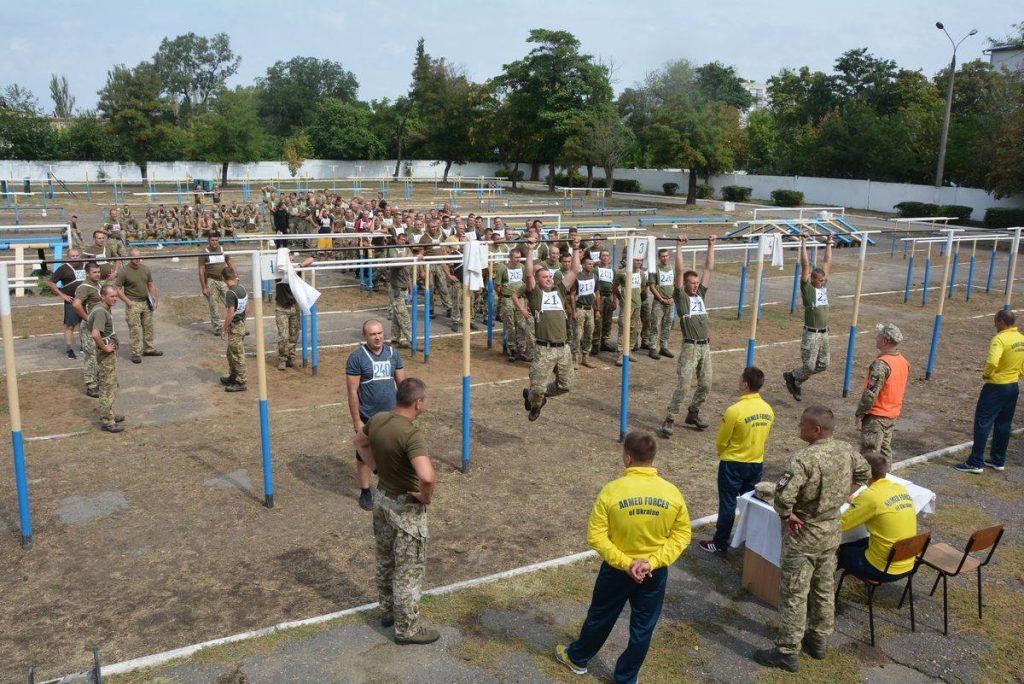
(886,509)
(744,430)
(1005,361)
(639,515)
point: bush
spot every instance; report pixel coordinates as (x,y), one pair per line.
(625,185)
(736,193)
(1004,217)
(600,183)
(503,172)
(705,191)
(915,209)
(670,188)
(961,212)
(787,198)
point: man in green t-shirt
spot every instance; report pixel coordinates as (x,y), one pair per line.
(87,296)
(564,265)
(509,280)
(548,306)
(211,279)
(695,356)
(639,281)
(399,288)
(236,301)
(661,284)
(814,353)
(138,292)
(100,325)
(605,281)
(398,452)
(587,305)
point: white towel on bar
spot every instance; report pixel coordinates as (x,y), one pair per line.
(651,257)
(775,248)
(475,262)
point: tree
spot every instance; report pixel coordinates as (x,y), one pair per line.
(89,137)
(601,139)
(291,91)
(192,68)
(63,101)
(396,126)
(720,83)
(549,89)
(1006,174)
(229,132)
(139,116)
(341,130)
(24,136)
(296,150)
(14,98)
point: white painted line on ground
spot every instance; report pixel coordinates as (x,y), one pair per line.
(43,438)
(164,657)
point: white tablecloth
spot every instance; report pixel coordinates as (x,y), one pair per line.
(760,527)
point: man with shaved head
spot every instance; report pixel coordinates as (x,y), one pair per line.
(135,287)
(808,495)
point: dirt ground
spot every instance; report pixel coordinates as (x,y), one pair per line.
(157,537)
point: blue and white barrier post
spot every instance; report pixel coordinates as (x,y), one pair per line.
(415,307)
(757,298)
(261,375)
(627,344)
(313,339)
(892,247)
(426,315)
(14,410)
(942,301)
(991,266)
(851,343)
(743,285)
(303,328)
(952,273)
(927,273)
(1012,272)
(910,271)
(970,271)
(796,286)
(467,303)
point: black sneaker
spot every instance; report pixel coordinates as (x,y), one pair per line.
(70,353)
(512,358)
(136,358)
(366,503)
(115,428)
(771,657)
(968,468)
(993,466)
(791,385)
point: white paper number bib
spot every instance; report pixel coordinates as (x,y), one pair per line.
(550,301)
(821,296)
(215,259)
(636,281)
(605,275)
(697,307)
(666,278)
(515,275)
(586,287)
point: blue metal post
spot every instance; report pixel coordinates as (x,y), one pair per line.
(362,285)
(21,483)
(743,285)
(14,409)
(851,343)
(910,271)
(268,470)
(796,287)
(624,396)
(991,268)
(303,326)
(849,359)
(426,320)
(934,347)
(892,247)
(314,339)
(952,274)
(490,312)
(927,273)
(750,351)
(906,248)
(970,278)
(178,190)
(415,309)
(465,423)
(760,294)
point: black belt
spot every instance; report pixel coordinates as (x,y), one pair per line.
(816,330)
(689,341)
(550,344)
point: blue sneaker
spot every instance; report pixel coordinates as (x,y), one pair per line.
(993,466)
(562,656)
(968,468)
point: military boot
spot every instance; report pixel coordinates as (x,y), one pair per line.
(693,419)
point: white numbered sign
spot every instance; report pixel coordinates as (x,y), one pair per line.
(821,296)
(586,287)
(550,301)
(697,307)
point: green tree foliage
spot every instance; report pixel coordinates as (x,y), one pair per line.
(15,98)
(397,126)
(192,69)
(229,132)
(295,150)
(140,117)
(1006,174)
(341,130)
(600,138)
(291,91)
(549,89)
(63,100)
(721,83)
(25,136)
(89,137)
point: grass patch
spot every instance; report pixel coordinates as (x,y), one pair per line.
(957,521)
(839,666)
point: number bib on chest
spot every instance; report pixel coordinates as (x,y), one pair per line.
(636,281)
(605,275)
(586,287)
(215,259)
(697,307)
(550,301)
(515,275)
(821,296)
(666,278)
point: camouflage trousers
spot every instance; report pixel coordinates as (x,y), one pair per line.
(585,333)
(645,319)
(607,317)
(572,337)
(218,289)
(814,356)
(400,533)
(106,364)
(545,361)
(89,371)
(455,293)
(694,359)
(634,330)
(439,288)
(236,352)
(520,332)
(140,327)
(401,324)
(807,598)
(287,320)
(876,435)
(661,325)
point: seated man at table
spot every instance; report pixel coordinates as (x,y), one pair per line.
(886,509)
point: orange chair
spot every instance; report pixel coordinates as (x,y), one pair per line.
(904,549)
(950,562)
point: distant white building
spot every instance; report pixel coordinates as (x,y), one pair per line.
(758,97)
(1006,57)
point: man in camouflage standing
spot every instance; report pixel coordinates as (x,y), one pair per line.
(87,297)
(816,482)
(100,325)
(398,451)
(882,400)
(605,282)
(211,279)
(509,281)
(661,285)
(236,301)
(138,292)
(399,284)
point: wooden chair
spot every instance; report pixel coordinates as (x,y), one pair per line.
(950,562)
(904,549)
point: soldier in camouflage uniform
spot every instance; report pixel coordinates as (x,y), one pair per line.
(882,400)
(398,451)
(605,282)
(548,309)
(816,482)
(661,285)
(101,329)
(814,350)
(509,280)
(87,297)
(286,318)
(638,284)
(399,285)
(236,300)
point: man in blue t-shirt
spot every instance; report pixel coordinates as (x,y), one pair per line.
(373,372)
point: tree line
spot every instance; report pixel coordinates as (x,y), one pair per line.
(553,110)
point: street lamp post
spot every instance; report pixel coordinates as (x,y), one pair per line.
(949,101)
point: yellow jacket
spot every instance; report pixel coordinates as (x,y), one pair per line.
(1005,361)
(886,509)
(639,515)
(744,430)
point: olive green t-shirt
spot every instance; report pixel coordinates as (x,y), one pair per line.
(548,310)
(395,441)
(585,287)
(88,294)
(216,262)
(398,276)
(101,319)
(639,282)
(666,281)
(693,313)
(815,301)
(605,279)
(510,278)
(238,299)
(101,256)
(135,281)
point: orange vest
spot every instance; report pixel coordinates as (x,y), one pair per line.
(889,401)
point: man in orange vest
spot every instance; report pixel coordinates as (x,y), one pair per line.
(882,399)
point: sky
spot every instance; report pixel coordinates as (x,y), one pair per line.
(377,40)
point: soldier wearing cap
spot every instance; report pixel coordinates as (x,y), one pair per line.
(882,399)
(814,352)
